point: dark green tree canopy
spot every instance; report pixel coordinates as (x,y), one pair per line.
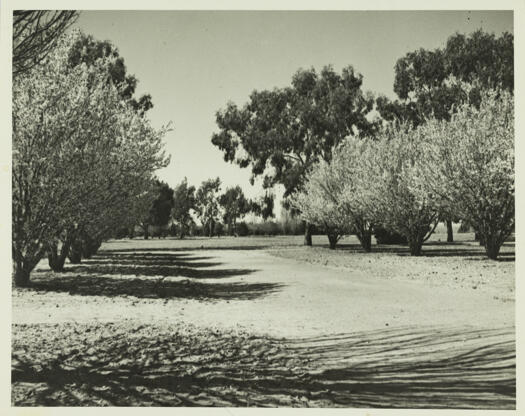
(88,50)
(263,207)
(281,133)
(184,201)
(234,204)
(160,211)
(422,77)
(207,200)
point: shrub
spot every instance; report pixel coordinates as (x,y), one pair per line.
(242,229)
(384,236)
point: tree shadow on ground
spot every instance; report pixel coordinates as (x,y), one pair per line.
(138,269)
(150,275)
(398,368)
(154,288)
(205,246)
(153,259)
(454,249)
(150,264)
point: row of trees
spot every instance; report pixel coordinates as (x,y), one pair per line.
(84,154)
(284,135)
(407,178)
(184,203)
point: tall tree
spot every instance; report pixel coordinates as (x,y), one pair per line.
(426,81)
(207,206)
(469,163)
(35,33)
(87,50)
(184,203)
(235,205)
(160,210)
(281,133)
(77,149)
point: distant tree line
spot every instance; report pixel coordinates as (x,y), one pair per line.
(174,211)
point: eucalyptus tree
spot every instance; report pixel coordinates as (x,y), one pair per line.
(184,203)
(235,206)
(207,204)
(282,133)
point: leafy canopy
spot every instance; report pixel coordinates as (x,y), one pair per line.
(281,133)
(426,81)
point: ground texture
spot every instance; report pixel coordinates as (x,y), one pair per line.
(265,322)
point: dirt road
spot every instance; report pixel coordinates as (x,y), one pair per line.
(253,290)
(145,324)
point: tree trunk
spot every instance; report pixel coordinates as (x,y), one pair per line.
(307,234)
(415,243)
(332,239)
(90,247)
(479,236)
(146,231)
(365,238)
(450,233)
(75,252)
(211,228)
(21,275)
(23,265)
(56,260)
(492,246)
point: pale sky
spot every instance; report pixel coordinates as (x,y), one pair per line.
(193,63)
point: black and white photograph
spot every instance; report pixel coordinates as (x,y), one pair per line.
(260,207)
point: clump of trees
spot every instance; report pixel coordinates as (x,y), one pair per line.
(83,158)
(207,204)
(330,199)
(184,202)
(281,134)
(406,176)
(235,206)
(160,208)
(428,83)
(469,165)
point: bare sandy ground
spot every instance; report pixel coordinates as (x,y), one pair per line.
(261,293)
(263,322)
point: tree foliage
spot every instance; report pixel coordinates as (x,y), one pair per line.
(282,133)
(184,203)
(159,213)
(87,49)
(385,183)
(235,206)
(470,166)
(426,80)
(35,33)
(330,198)
(80,155)
(207,203)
